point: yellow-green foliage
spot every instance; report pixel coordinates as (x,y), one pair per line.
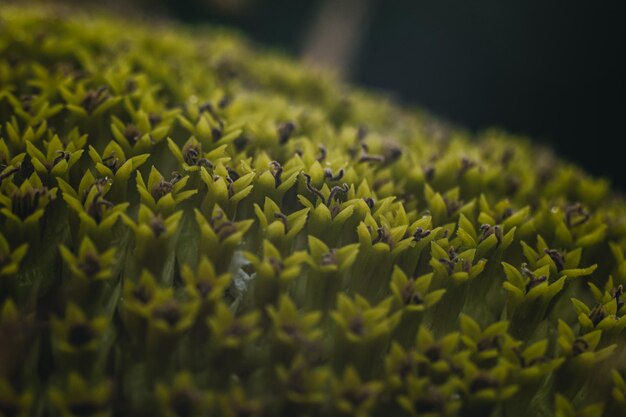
(192,227)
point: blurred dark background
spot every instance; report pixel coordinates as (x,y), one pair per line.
(552,70)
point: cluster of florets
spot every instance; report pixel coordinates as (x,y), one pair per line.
(189,227)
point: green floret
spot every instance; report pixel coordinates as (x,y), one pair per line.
(192,226)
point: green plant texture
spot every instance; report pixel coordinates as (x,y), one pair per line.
(193,226)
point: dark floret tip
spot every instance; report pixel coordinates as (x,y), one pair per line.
(579,346)
(169,312)
(157,224)
(357,325)
(183,402)
(285,130)
(277,171)
(420,234)
(330,258)
(80,334)
(328,174)
(90,264)
(576,215)
(557,257)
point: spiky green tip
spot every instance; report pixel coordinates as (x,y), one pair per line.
(192,227)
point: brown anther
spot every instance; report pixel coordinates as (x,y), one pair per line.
(132,133)
(512,184)
(9,172)
(365,157)
(225,229)
(330,258)
(328,174)
(130,86)
(191,154)
(25,203)
(323,153)
(410,296)
(163,187)
(420,234)
(452,205)
(508,212)
(285,130)
(361,133)
(483,381)
(335,191)
(488,343)
(225,102)
(357,325)
(454,257)
(433,402)
(382,236)
(466,165)
(97,207)
(357,396)
(617,294)
(392,152)
(237,329)
(429,172)
(370,202)
(232,173)
(597,314)
(216,133)
(488,230)
(276,171)
(311,188)
(277,265)
(154,119)
(450,265)
(241,142)
(207,107)
(433,353)
(141,294)
(497,231)
(280,216)
(527,272)
(534,281)
(80,334)
(576,215)
(26,100)
(520,357)
(219,216)
(466,265)
(157,225)
(204,288)
(579,346)
(557,257)
(290,330)
(90,264)
(406,366)
(94,98)
(183,402)
(169,312)
(61,155)
(111,162)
